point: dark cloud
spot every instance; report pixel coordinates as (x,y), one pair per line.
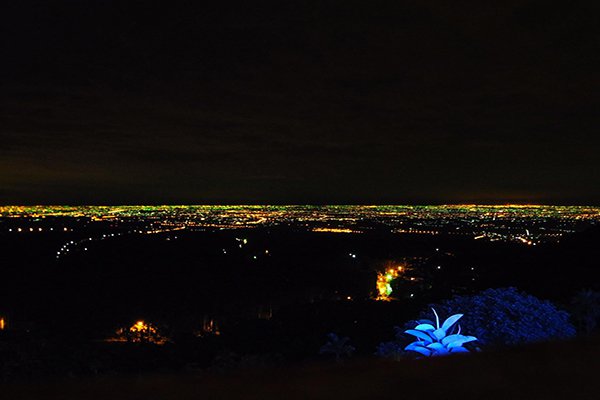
(330,101)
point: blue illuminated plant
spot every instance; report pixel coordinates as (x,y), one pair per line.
(438,340)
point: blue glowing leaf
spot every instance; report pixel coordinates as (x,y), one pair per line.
(439,334)
(451,321)
(457,340)
(451,339)
(438,348)
(425,327)
(456,345)
(419,334)
(435,346)
(458,349)
(419,349)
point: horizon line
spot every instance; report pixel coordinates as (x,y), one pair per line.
(485,204)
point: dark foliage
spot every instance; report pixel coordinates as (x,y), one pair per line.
(585,307)
(497,317)
(506,316)
(338,346)
(394,349)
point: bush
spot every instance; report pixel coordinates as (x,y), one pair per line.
(393,349)
(585,307)
(338,346)
(507,317)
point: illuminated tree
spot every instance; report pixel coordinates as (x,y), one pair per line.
(508,317)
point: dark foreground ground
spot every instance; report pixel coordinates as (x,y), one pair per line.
(567,370)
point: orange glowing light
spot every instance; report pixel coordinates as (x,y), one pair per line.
(334,230)
(139,326)
(384,279)
(140,332)
(209,327)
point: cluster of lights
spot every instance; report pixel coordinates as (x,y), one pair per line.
(146,332)
(30,229)
(335,230)
(167,230)
(384,280)
(140,332)
(64,250)
(414,231)
(209,327)
(504,222)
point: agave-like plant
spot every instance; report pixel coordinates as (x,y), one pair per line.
(439,340)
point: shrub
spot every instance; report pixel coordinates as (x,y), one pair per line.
(585,307)
(337,346)
(508,317)
(393,349)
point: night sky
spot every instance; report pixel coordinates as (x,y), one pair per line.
(315,101)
